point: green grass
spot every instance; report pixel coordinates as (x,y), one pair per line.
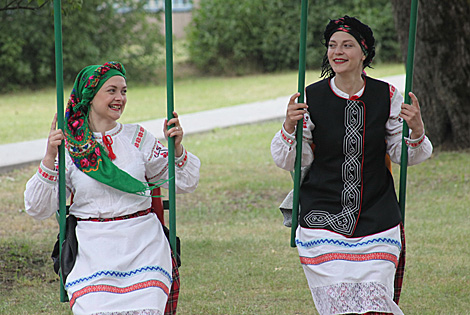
(235,251)
(27,115)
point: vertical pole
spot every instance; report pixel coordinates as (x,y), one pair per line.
(408,88)
(170,106)
(299,130)
(60,123)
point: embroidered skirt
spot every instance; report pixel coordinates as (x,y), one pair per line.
(122,267)
(350,275)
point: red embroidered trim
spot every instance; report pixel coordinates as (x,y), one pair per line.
(183,162)
(118,290)
(286,139)
(158,150)
(349,257)
(392,90)
(44,174)
(113,134)
(159,174)
(414,144)
(140,135)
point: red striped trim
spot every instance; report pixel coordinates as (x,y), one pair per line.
(349,257)
(117,290)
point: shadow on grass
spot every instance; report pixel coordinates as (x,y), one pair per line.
(22,261)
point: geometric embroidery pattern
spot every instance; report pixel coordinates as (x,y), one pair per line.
(46,176)
(139,136)
(346,244)
(120,274)
(320,259)
(345,221)
(118,290)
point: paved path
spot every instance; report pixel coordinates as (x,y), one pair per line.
(14,155)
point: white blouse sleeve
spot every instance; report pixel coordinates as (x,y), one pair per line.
(41,196)
(283,146)
(186,170)
(418,149)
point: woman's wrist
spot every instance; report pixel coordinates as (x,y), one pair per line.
(48,162)
(179,151)
(288,128)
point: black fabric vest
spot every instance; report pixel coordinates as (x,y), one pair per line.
(349,189)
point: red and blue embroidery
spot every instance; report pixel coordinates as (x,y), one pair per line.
(118,290)
(320,259)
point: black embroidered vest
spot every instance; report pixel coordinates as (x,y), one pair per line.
(349,189)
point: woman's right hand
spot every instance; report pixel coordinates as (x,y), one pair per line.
(295,112)
(53,142)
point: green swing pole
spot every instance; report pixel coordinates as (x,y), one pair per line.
(60,125)
(170,108)
(408,88)
(299,131)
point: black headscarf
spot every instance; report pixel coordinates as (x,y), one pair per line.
(360,31)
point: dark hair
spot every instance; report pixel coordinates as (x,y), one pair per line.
(360,31)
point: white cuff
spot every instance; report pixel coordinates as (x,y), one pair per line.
(181,161)
(47,175)
(415,143)
(287,138)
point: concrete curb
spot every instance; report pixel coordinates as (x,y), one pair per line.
(15,155)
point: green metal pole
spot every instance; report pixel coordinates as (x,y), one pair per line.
(408,87)
(299,131)
(170,108)
(60,123)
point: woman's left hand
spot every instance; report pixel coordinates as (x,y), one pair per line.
(412,115)
(175,132)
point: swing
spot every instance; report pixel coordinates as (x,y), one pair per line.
(160,205)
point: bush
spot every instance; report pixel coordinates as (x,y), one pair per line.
(236,36)
(91,35)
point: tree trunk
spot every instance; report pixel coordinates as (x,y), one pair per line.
(441,67)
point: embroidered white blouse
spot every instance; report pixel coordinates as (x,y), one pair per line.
(137,152)
(283,144)
(123,265)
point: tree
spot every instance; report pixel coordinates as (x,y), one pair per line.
(442,67)
(234,36)
(93,33)
(6,5)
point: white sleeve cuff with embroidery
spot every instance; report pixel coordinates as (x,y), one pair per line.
(287,138)
(415,143)
(181,161)
(47,175)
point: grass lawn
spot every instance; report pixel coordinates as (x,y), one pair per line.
(27,115)
(235,251)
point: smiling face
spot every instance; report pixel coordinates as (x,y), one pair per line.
(345,54)
(108,104)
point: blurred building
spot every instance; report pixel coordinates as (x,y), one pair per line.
(182,13)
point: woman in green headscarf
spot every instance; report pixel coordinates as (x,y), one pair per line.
(124,260)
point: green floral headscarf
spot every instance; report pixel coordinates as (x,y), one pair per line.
(87,154)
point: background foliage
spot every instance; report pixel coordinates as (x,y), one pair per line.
(234,37)
(95,30)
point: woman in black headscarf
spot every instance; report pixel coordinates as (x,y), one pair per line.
(349,236)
